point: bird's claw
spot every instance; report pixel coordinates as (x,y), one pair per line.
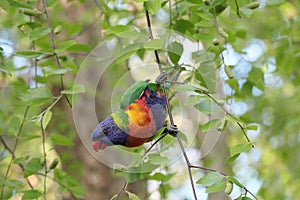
(172,130)
(161,78)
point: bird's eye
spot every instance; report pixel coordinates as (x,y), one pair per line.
(105,131)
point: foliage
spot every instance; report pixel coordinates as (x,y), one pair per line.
(256,61)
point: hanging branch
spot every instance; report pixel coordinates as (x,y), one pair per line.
(54,48)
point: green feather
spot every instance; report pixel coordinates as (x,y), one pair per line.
(121,119)
(133,93)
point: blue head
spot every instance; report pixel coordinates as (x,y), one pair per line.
(107,133)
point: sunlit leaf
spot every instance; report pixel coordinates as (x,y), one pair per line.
(152,6)
(32,167)
(216,187)
(39,32)
(175,50)
(210,125)
(240,148)
(36,96)
(132,196)
(46,119)
(210,179)
(76,89)
(154,44)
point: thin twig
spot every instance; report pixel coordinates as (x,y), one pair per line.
(45,157)
(152,145)
(237,9)
(188,165)
(151,38)
(14,149)
(54,48)
(122,190)
(13,155)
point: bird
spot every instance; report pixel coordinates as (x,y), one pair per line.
(141,115)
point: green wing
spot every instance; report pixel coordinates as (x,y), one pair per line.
(133,93)
(121,119)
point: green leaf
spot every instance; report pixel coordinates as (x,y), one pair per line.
(31,194)
(132,196)
(157,159)
(68,183)
(233,83)
(206,15)
(235,181)
(29,54)
(175,50)
(204,24)
(79,48)
(251,127)
(210,179)
(46,119)
(208,106)
(216,187)
(231,159)
(161,177)
(65,45)
(39,32)
(76,89)
(193,99)
(154,44)
(19,160)
(256,76)
(239,149)
(4,4)
(32,167)
(210,125)
(49,71)
(36,96)
(152,6)
(132,93)
(61,140)
(50,2)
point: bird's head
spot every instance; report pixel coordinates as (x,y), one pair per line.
(107,133)
(99,136)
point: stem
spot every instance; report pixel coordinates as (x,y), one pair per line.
(122,189)
(188,165)
(45,158)
(151,38)
(53,49)
(14,149)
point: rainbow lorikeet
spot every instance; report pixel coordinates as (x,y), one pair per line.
(142,113)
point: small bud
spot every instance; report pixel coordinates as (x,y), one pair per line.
(54,163)
(223,33)
(216,42)
(253,5)
(222,126)
(228,71)
(32,12)
(206,2)
(57,30)
(229,187)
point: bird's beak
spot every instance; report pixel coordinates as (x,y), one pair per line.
(98,146)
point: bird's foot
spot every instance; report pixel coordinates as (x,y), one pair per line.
(161,78)
(172,130)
